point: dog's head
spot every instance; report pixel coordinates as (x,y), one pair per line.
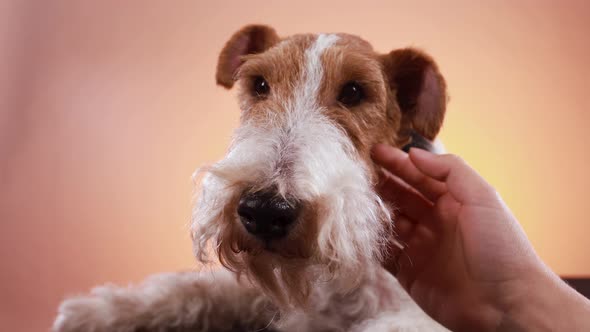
(293,202)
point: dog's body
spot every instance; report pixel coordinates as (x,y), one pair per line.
(216,301)
(291,211)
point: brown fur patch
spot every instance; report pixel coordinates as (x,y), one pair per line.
(419,89)
(373,120)
(281,67)
(251,39)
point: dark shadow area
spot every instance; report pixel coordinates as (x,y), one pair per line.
(582,285)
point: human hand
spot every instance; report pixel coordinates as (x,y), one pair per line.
(467,261)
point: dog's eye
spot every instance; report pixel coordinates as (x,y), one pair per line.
(260,86)
(351,94)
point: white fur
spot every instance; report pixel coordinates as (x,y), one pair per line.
(218,302)
(438,147)
(306,93)
(168,302)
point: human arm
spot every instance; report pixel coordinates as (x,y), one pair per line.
(472,266)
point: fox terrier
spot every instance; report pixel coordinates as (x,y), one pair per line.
(291,212)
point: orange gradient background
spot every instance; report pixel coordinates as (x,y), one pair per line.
(107,107)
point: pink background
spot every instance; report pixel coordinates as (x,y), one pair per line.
(107,107)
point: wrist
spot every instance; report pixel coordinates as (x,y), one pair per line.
(545,303)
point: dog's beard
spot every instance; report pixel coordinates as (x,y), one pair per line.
(342,230)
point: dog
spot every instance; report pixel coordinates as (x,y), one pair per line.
(291,212)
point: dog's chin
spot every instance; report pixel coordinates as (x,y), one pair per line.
(286,269)
(278,267)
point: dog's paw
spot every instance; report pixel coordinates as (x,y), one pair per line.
(104,310)
(90,314)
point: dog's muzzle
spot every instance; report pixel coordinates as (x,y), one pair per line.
(267,215)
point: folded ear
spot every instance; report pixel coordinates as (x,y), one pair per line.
(251,39)
(419,88)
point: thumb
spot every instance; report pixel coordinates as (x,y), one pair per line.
(462,181)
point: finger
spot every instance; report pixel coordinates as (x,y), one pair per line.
(398,163)
(406,200)
(461,180)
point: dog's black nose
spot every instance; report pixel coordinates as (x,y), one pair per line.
(267,215)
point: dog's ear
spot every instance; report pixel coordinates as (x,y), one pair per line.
(419,88)
(251,39)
